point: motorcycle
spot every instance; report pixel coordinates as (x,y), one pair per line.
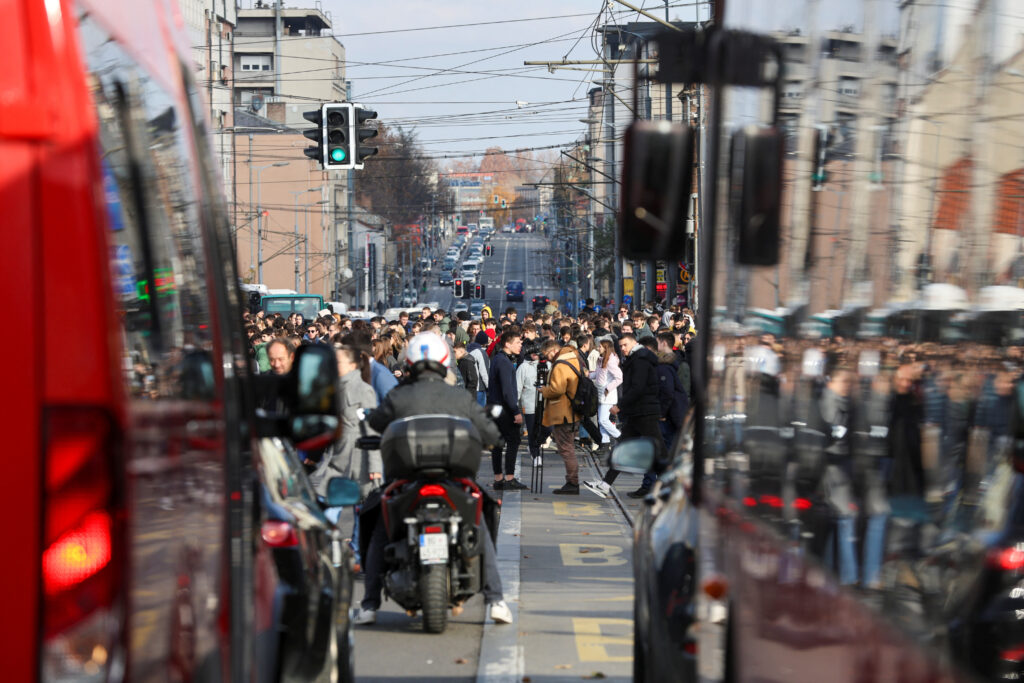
(432,511)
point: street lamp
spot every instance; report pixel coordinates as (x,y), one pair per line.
(259,217)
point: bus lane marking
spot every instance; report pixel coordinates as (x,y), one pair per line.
(589,554)
(592,644)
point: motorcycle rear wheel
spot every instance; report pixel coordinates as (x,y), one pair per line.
(434,597)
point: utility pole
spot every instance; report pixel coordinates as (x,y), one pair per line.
(351,188)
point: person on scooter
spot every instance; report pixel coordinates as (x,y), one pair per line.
(423,392)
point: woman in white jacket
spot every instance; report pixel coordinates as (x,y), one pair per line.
(607,378)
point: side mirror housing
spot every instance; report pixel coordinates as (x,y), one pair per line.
(635,456)
(342,492)
(657,179)
(314,400)
(756,180)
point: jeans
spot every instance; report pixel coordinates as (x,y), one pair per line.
(492,588)
(874,546)
(604,420)
(565,438)
(481,397)
(840,549)
(511,434)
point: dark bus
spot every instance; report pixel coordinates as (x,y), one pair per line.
(860,493)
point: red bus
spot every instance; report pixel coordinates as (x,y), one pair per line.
(852,508)
(125,419)
(462,230)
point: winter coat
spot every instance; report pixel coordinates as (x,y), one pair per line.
(501,385)
(343,459)
(639,392)
(467,367)
(607,381)
(526,379)
(262,360)
(382,379)
(430,395)
(483,365)
(562,382)
(673,400)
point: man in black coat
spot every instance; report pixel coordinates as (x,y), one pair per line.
(503,390)
(638,408)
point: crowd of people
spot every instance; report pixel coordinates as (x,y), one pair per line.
(530,365)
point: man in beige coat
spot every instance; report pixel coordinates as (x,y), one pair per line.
(561,386)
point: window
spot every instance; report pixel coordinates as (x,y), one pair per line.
(157,243)
(849,86)
(254,62)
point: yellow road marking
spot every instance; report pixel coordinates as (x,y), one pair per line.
(585,554)
(578,509)
(591,644)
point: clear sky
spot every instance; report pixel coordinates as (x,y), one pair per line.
(464,88)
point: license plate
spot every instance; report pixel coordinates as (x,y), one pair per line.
(433,548)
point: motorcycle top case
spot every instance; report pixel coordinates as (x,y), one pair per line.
(431,443)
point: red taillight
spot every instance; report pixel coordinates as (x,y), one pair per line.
(431,490)
(750,501)
(433,530)
(1015,654)
(78,554)
(1007,559)
(278,534)
(81,519)
(802,504)
(771,501)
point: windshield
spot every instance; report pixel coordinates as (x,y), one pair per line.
(307,306)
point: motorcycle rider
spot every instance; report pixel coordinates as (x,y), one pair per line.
(422,392)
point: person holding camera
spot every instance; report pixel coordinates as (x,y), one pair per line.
(558,414)
(529,379)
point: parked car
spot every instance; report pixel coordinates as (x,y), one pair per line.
(664,566)
(514,290)
(303,570)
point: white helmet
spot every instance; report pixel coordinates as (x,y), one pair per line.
(427,346)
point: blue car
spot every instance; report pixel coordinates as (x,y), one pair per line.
(514,290)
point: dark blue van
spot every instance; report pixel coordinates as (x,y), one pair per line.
(514,290)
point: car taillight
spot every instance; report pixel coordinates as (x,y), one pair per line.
(1008,559)
(433,529)
(82,550)
(278,534)
(802,504)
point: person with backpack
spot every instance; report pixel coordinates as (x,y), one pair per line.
(559,415)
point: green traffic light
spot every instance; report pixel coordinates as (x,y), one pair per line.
(337,155)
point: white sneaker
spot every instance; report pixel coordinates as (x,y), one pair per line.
(549,444)
(500,613)
(595,446)
(365,616)
(597,487)
(538,461)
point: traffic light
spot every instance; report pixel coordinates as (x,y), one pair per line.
(822,141)
(478,291)
(316,152)
(362,133)
(458,289)
(332,135)
(338,136)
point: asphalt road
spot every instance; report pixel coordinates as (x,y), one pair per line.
(514,257)
(566,565)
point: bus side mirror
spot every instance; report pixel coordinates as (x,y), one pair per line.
(755,173)
(314,405)
(657,180)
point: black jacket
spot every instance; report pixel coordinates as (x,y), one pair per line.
(467,366)
(501,387)
(638,395)
(429,395)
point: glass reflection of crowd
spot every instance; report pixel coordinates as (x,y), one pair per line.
(866,452)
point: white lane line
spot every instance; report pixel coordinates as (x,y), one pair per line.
(502,659)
